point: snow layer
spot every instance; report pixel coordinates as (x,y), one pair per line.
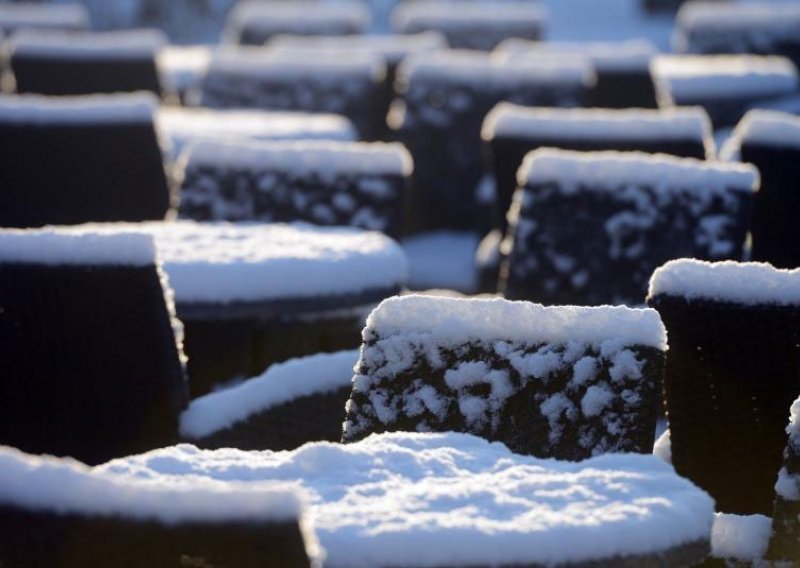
(622,56)
(266,64)
(220,263)
(607,171)
(748,283)
(703,26)
(455,500)
(762,127)
(48,16)
(454,321)
(65,486)
(392,47)
(183,67)
(442,259)
(326,157)
(181,126)
(482,68)
(281,383)
(116,45)
(663,446)
(81,246)
(688,78)
(445,15)
(741,538)
(91,109)
(298,16)
(508,119)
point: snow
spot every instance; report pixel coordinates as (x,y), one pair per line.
(91,109)
(29,15)
(392,47)
(689,78)
(116,45)
(482,68)
(707,26)
(81,246)
(325,157)
(446,15)
(281,383)
(607,171)
(663,446)
(762,127)
(455,500)
(442,259)
(747,283)
(453,321)
(298,16)
(65,486)
(181,126)
(742,538)
(507,119)
(183,67)
(625,56)
(221,262)
(270,64)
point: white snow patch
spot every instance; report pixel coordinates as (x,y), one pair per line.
(628,56)
(762,127)
(455,320)
(182,126)
(82,246)
(742,538)
(62,486)
(428,500)
(60,46)
(29,15)
(183,67)
(663,446)
(686,79)
(606,171)
(281,383)
(749,283)
(507,119)
(483,68)
(92,109)
(299,16)
(327,157)
(446,15)
(392,47)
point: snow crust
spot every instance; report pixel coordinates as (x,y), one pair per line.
(481,68)
(763,127)
(81,246)
(326,157)
(453,321)
(281,383)
(507,119)
(748,283)
(607,171)
(429,500)
(735,24)
(628,56)
(48,16)
(689,78)
(65,486)
(743,538)
(114,45)
(181,126)
(92,109)
(221,262)
(298,16)
(392,47)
